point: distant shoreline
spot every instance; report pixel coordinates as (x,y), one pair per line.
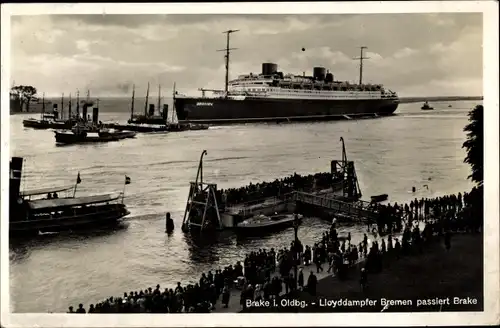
(37,108)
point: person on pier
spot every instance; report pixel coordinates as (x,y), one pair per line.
(312,283)
(169,224)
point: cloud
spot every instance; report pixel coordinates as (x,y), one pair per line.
(414,54)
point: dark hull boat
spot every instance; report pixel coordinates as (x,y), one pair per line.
(143,128)
(66,137)
(263,223)
(249,110)
(146,128)
(273,96)
(30,216)
(379,198)
(46,124)
(426,106)
(142,119)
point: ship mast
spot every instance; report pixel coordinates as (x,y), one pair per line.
(146,105)
(69,107)
(159,97)
(43,104)
(77,104)
(227,50)
(132,105)
(360,58)
(88,96)
(62,106)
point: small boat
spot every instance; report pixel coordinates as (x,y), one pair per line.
(43,211)
(83,134)
(264,223)
(379,198)
(143,128)
(47,121)
(426,106)
(449,106)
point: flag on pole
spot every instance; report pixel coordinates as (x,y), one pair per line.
(127,180)
(78,180)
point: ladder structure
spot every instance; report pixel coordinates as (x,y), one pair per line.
(202,210)
(359,209)
(346,169)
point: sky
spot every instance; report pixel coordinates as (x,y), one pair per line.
(413,54)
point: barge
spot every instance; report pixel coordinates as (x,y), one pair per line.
(42,210)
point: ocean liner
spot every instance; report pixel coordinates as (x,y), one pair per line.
(274,96)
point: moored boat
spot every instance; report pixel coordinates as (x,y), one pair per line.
(379,198)
(102,135)
(426,106)
(264,223)
(43,210)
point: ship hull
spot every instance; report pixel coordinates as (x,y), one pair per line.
(38,124)
(230,111)
(70,138)
(33,226)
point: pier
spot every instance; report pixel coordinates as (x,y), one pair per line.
(207,207)
(359,210)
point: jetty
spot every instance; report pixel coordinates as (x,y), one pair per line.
(207,208)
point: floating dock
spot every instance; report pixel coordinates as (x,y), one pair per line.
(206,209)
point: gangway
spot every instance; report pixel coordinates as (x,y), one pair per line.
(359,209)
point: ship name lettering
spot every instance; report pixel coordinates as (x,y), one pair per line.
(204,104)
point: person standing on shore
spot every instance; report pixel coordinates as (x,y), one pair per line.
(312,282)
(363,280)
(447,240)
(301,279)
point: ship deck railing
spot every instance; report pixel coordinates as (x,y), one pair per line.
(357,209)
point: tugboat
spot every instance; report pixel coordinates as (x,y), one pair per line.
(263,223)
(41,211)
(83,132)
(150,123)
(426,106)
(149,116)
(53,120)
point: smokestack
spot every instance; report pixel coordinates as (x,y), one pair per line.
(55,111)
(16,170)
(151,109)
(84,111)
(95,115)
(165,111)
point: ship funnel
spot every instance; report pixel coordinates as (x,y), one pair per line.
(319,73)
(84,111)
(55,111)
(269,68)
(151,111)
(95,115)
(329,78)
(165,111)
(16,170)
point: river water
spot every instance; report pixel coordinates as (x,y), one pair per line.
(391,154)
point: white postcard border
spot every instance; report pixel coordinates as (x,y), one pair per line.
(491,244)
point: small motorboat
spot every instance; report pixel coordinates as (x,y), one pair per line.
(90,134)
(426,106)
(379,198)
(264,223)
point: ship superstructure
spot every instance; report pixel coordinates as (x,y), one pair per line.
(274,95)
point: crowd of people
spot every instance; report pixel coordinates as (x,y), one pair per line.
(266,274)
(283,186)
(391,218)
